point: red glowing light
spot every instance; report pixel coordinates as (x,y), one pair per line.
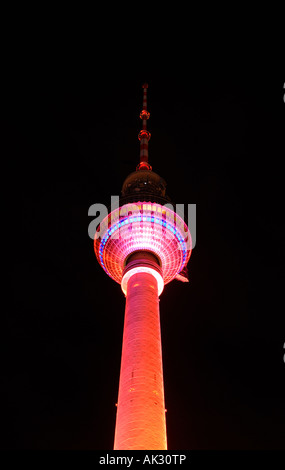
(143,166)
(144,134)
(144,114)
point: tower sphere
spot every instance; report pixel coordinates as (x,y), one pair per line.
(143,225)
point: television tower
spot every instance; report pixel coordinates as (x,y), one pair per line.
(142,245)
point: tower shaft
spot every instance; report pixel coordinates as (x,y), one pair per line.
(140,420)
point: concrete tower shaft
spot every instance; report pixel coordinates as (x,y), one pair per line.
(140,420)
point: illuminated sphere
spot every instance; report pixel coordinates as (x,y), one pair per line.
(143,223)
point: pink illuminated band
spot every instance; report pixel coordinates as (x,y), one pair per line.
(142,269)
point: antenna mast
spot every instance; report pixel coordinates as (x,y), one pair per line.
(144,134)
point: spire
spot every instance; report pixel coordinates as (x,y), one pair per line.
(144,135)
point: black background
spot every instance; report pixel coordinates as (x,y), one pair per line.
(218,140)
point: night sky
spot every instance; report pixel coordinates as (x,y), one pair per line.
(218,141)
